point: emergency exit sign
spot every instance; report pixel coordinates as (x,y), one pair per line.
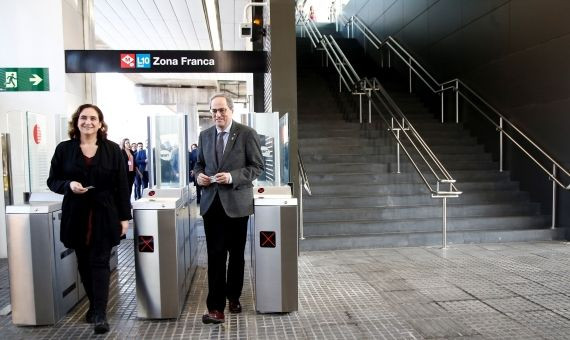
(24,79)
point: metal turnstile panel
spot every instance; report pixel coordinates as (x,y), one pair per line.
(66,273)
(181,222)
(31,282)
(275,258)
(156,263)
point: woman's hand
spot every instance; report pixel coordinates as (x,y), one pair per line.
(124,227)
(77,188)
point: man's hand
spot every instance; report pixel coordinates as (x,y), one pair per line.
(203,180)
(77,188)
(124,227)
(223,177)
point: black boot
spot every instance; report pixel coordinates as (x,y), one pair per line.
(101,325)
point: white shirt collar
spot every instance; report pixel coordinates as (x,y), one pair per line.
(227,129)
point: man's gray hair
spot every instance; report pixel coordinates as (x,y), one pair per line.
(229,100)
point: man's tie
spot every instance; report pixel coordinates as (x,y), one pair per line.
(220,147)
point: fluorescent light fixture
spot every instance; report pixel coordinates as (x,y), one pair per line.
(213,21)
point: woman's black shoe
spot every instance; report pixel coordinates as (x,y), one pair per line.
(101,325)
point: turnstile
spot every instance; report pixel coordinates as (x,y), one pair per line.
(274,249)
(44,281)
(165,252)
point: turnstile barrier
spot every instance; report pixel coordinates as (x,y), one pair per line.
(165,252)
(274,249)
(44,281)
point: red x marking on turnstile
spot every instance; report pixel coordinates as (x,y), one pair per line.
(267,239)
(146,244)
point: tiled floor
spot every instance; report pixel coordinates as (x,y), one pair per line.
(498,291)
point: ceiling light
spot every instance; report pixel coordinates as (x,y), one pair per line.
(213,21)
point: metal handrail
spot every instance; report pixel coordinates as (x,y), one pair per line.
(303,184)
(341,62)
(411,133)
(344,58)
(303,175)
(337,63)
(461,89)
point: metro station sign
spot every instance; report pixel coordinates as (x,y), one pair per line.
(165,61)
(24,79)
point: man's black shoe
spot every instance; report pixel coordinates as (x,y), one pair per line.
(101,325)
(213,316)
(235,306)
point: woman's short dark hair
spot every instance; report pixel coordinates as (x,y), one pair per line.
(72,128)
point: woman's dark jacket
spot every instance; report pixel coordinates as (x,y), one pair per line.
(109,200)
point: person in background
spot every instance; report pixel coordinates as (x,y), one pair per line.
(129,163)
(90,172)
(140,162)
(193,160)
(229,159)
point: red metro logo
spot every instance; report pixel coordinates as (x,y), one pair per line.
(127,60)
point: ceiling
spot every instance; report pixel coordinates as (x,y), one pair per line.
(167,25)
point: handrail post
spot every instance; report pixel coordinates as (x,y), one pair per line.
(352,27)
(410,74)
(301,227)
(441,95)
(369,107)
(389,59)
(381,57)
(360,97)
(456,101)
(339,83)
(444,226)
(397,146)
(501,144)
(554,169)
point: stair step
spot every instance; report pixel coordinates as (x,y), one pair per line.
(367,227)
(431,239)
(317,202)
(344,189)
(418,212)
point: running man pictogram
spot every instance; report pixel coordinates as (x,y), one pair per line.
(11,80)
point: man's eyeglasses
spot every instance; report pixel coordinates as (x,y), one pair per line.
(221,111)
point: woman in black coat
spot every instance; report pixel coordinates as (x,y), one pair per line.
(90,172)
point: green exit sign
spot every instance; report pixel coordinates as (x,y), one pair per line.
(24,79)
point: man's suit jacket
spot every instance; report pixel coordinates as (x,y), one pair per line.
(242,159)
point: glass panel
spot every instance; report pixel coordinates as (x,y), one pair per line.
(267,127)
(284,148)
(170,140)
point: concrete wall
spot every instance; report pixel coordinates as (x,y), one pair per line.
(514,53)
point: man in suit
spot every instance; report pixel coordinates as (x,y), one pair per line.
(229,159)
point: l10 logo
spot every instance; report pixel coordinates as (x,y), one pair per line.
(143,60)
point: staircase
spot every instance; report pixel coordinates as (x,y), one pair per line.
(360,202)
